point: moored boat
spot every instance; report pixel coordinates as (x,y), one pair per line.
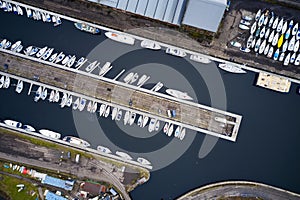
(76,104)
(104,68)
(6,82)
(19,86)
(132,118)
(70,100)
(128,77)
(103,149)
(50,134)
(200,58)
(149,44)
(2,80)
(134,78)
(140,121)
(142,79)
(76,141)
(13,123)
(38,93)
(119,115)
(166,128)
(143,161)
(102,109)
(114,113)
(177,131)
(178,94)
(29,128)
(231,68)
(81,104)
(87,28)
(44,94)
(41,52)
(151,125)
(51,97)
(170,130)
(176,52)
(123,155)
(126,117)
(182,134)
(120,38)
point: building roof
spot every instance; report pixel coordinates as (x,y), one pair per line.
(93,188)
(52,196)
(56,182)
(165,10)
(204,14)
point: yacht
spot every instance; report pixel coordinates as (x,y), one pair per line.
(200,58)
(56,97)
(76,141)
(15,46)
(114,113)
(119,115)
(149,44)
(51,97)
(13,123)
(76,103)
(19,87)
(175,52)
(178,94)
(132,118)
(120,38)
(41,52)
(47,54)
(52,57)
(71,61)
(70,100)
(60,57)
(102,109)
(50,134)
(6,82)
(143,161)
(140,121)
(2,79)
(66,60)
(44,94)
(170,130)
(87,28)
(107,111)
(158,86)
(231,68)
(28,128)
(103,149)
(80,62)
(151,125)
(123,155)
(128,77)
(145,121)
(33,51)
(126,117)
(38,94)
(82,104)
(182,134)
(64,100)
(105,68)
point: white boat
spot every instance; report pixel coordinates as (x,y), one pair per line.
(258,14)
(33,51)
(143,161)
(245,22)
(3,42)
(87,28)
(284,27)
(53,19)
(298,35)
(292,44)
(64,100)
(71,61)
(253,28)
(52,57)
(276,55)
(177,131)
(267,33)
(243,27)
(157,125)
(262,47)
(170,130)
(6,82)
(70,100)
(103,149)
(48,17)
(58,21)
(270,39)
(145,121)
(76,141)
(142,79)
(261,20)
(128,77)
(7,44)
(119,115)
(126,117)
(295,29)
(60,57)
(275,23)
(231,68)
(297,61)
(200,58)
(151,125)
(271,21)
(2,80)
(262,32)
(158,86)
(28,12)
(81,104)
(266,20)
(182,134)
(107,111)
(257,44)
(28,128)
(76,104)
(27,50)
(287,59)
(19,49)
(50,134)
(166,127)
(47,54)
(66,60)
(245,49)
(102,109)
(291,24)
(287,34)
(123,155)
(120,38)
(89,106)
(236,44)
(176,52)
(132,118)
(281,57)
(114,113)
(266,49)
(178,94)
(41,52)
(91,66)
(56,97)
(19,10)
(247,18)
(80,62)
(38,94)
(13,123)
(105,67)
(280,24)
(51,97)
(275,39)
(140,121)
(19,87)
(296,46)
(285,46)
(134,78)
(94,107)
(249,41)
(149,44)
(293,57)
(15,46)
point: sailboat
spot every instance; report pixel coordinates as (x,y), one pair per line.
(19,87)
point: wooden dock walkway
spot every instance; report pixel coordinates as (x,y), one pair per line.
(188,114)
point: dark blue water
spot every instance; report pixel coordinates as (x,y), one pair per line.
(268,144)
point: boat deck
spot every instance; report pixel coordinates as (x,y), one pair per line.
(79,83)
(273,82)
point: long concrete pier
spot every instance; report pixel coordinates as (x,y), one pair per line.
(103,90)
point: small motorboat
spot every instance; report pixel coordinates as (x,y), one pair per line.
(13,123)
(103,149)
(19,87)
(76,104)
(28,128)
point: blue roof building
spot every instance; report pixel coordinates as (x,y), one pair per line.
(52,196)
(56,182)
